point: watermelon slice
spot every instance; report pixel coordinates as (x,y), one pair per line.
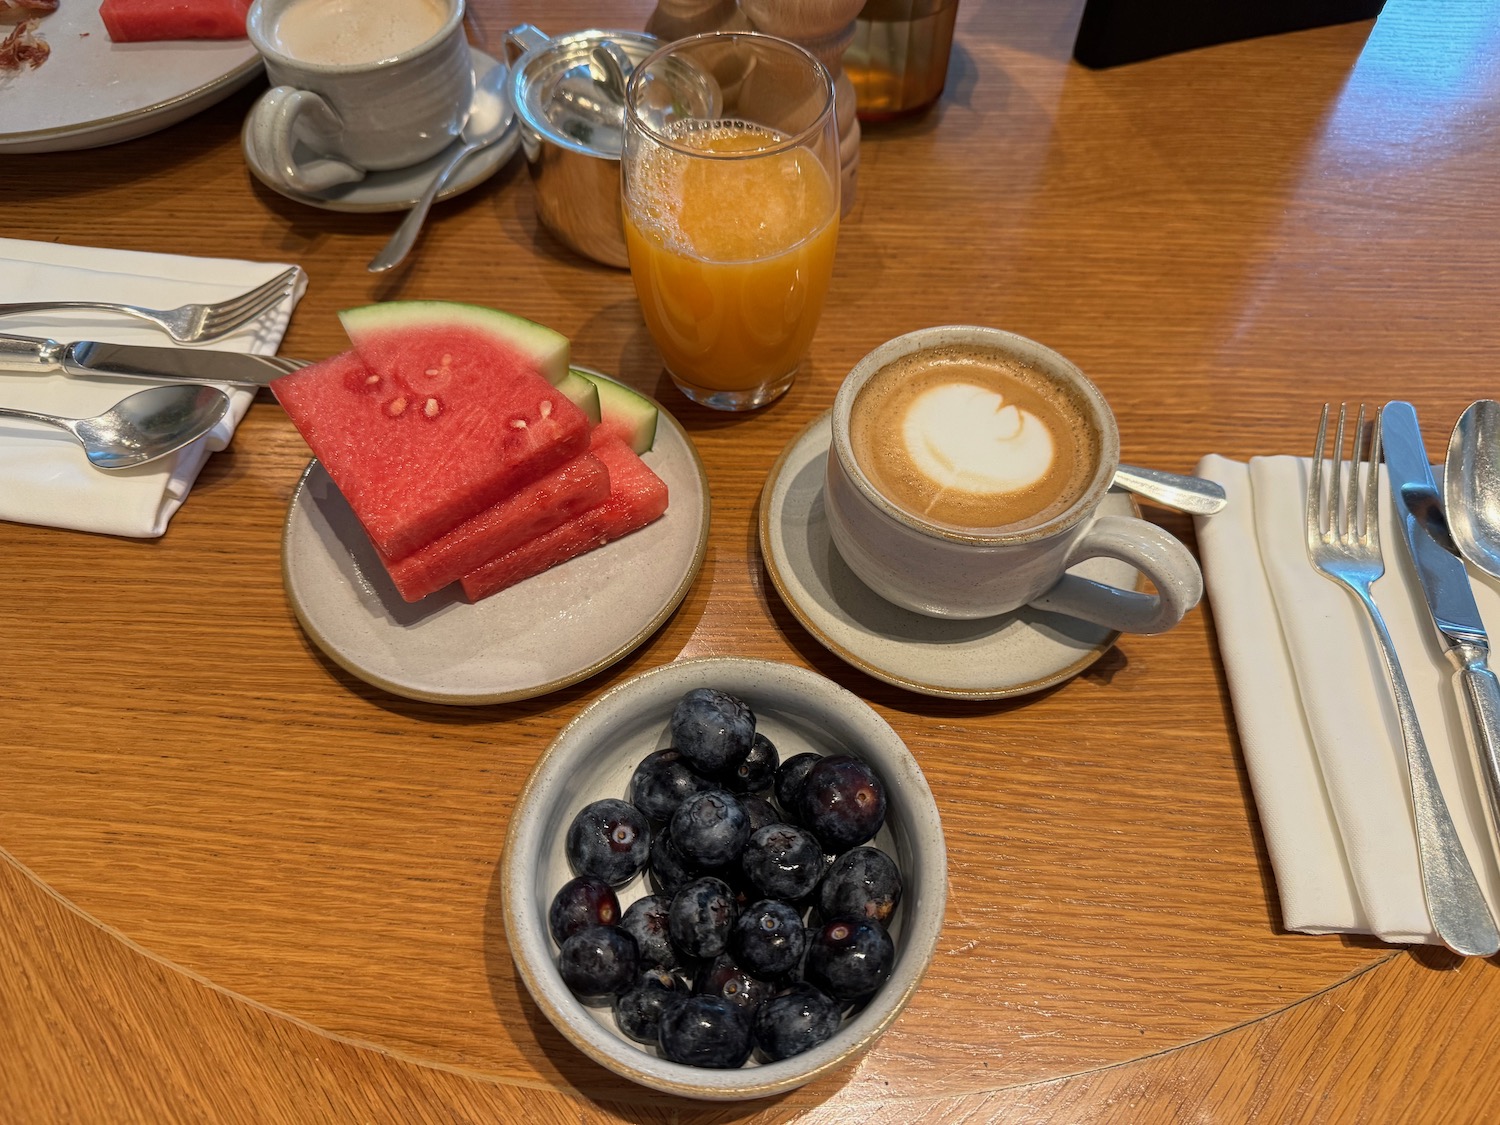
(383,335)
(537,508)
(629,416)
(438,428)
(141,21)
(636,497)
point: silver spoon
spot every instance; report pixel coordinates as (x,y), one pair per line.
(141,427)
(1471,485)
(1194,495)
(489,120)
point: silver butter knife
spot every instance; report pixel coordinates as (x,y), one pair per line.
(131,361)
(1445,586)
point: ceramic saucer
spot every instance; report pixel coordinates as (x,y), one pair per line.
(539,635)
(400,188)
(987,659)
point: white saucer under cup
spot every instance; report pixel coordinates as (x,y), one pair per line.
(988,658)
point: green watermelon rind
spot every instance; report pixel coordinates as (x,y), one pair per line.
(548,349)
(633,416)
(582,393)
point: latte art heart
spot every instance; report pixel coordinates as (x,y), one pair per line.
(967,437)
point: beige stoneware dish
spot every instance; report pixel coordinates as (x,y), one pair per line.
(594,756)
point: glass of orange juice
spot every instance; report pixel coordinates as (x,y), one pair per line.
(730,188)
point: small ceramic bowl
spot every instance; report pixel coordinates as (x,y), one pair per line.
(594,757)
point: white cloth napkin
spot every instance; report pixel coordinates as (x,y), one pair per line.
(44,476)
(1316,716)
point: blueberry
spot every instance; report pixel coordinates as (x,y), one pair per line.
(789,778)
(662,781)
(783,862)
(638,1011)
(862,883)
(796,1021)
(669,871)
(701,917)
(756,771)
(768,938)
(710,829)
(760,811)
(706,1031)
(725,977)
(850,958)
(610,840)
(842,802)
(712,729)
(598,962)
(645,920)
(582,901)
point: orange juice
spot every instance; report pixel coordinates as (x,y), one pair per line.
(731,257)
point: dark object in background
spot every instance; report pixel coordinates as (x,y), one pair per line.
(1114,32)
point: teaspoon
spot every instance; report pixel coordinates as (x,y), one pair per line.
(140,427)
(489,121)
(1471,485)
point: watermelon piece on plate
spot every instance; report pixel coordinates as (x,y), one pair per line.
(143,21)
(383,336)
(447,430)
(623,412)
(636,497)
(536,508)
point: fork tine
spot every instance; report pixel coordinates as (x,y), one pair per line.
(1352,527)
(1314,518)
(1336,479)
(1372,486)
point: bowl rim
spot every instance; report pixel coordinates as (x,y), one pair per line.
(530,946)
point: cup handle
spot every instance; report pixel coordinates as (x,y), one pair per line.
(284,113)
(1161,558)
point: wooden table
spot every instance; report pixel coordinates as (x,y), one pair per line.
(243,885)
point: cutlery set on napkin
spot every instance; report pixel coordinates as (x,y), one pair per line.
(44,476)
(1360,839)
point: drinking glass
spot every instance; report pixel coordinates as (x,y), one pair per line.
(730,190)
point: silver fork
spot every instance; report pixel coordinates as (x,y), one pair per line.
(187,324)
(1343,542)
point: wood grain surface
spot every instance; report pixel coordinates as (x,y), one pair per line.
(242,885)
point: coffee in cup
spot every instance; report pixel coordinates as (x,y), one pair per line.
(965,477)
(971,437)
(357,86)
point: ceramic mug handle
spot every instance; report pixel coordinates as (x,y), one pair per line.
(1166,562)
(276,121)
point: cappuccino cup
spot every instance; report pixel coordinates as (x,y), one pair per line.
(965,477)
(357,86)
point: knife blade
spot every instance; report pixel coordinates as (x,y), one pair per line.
(1446,591)
(132,361)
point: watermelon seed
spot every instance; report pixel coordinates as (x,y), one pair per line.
(371,380)
(518,423)
(546,408)
(431,408)
(397,406)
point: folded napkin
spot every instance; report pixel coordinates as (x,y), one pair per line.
(44,476)
(1316,716)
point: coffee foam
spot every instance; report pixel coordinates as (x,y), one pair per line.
(349,32)
(970,437)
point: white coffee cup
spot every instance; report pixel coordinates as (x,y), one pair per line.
(364,85)
(943,570)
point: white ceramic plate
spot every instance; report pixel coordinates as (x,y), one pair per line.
(991,658)
(540,635)
(400,188)
(92,92)
(594,756)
